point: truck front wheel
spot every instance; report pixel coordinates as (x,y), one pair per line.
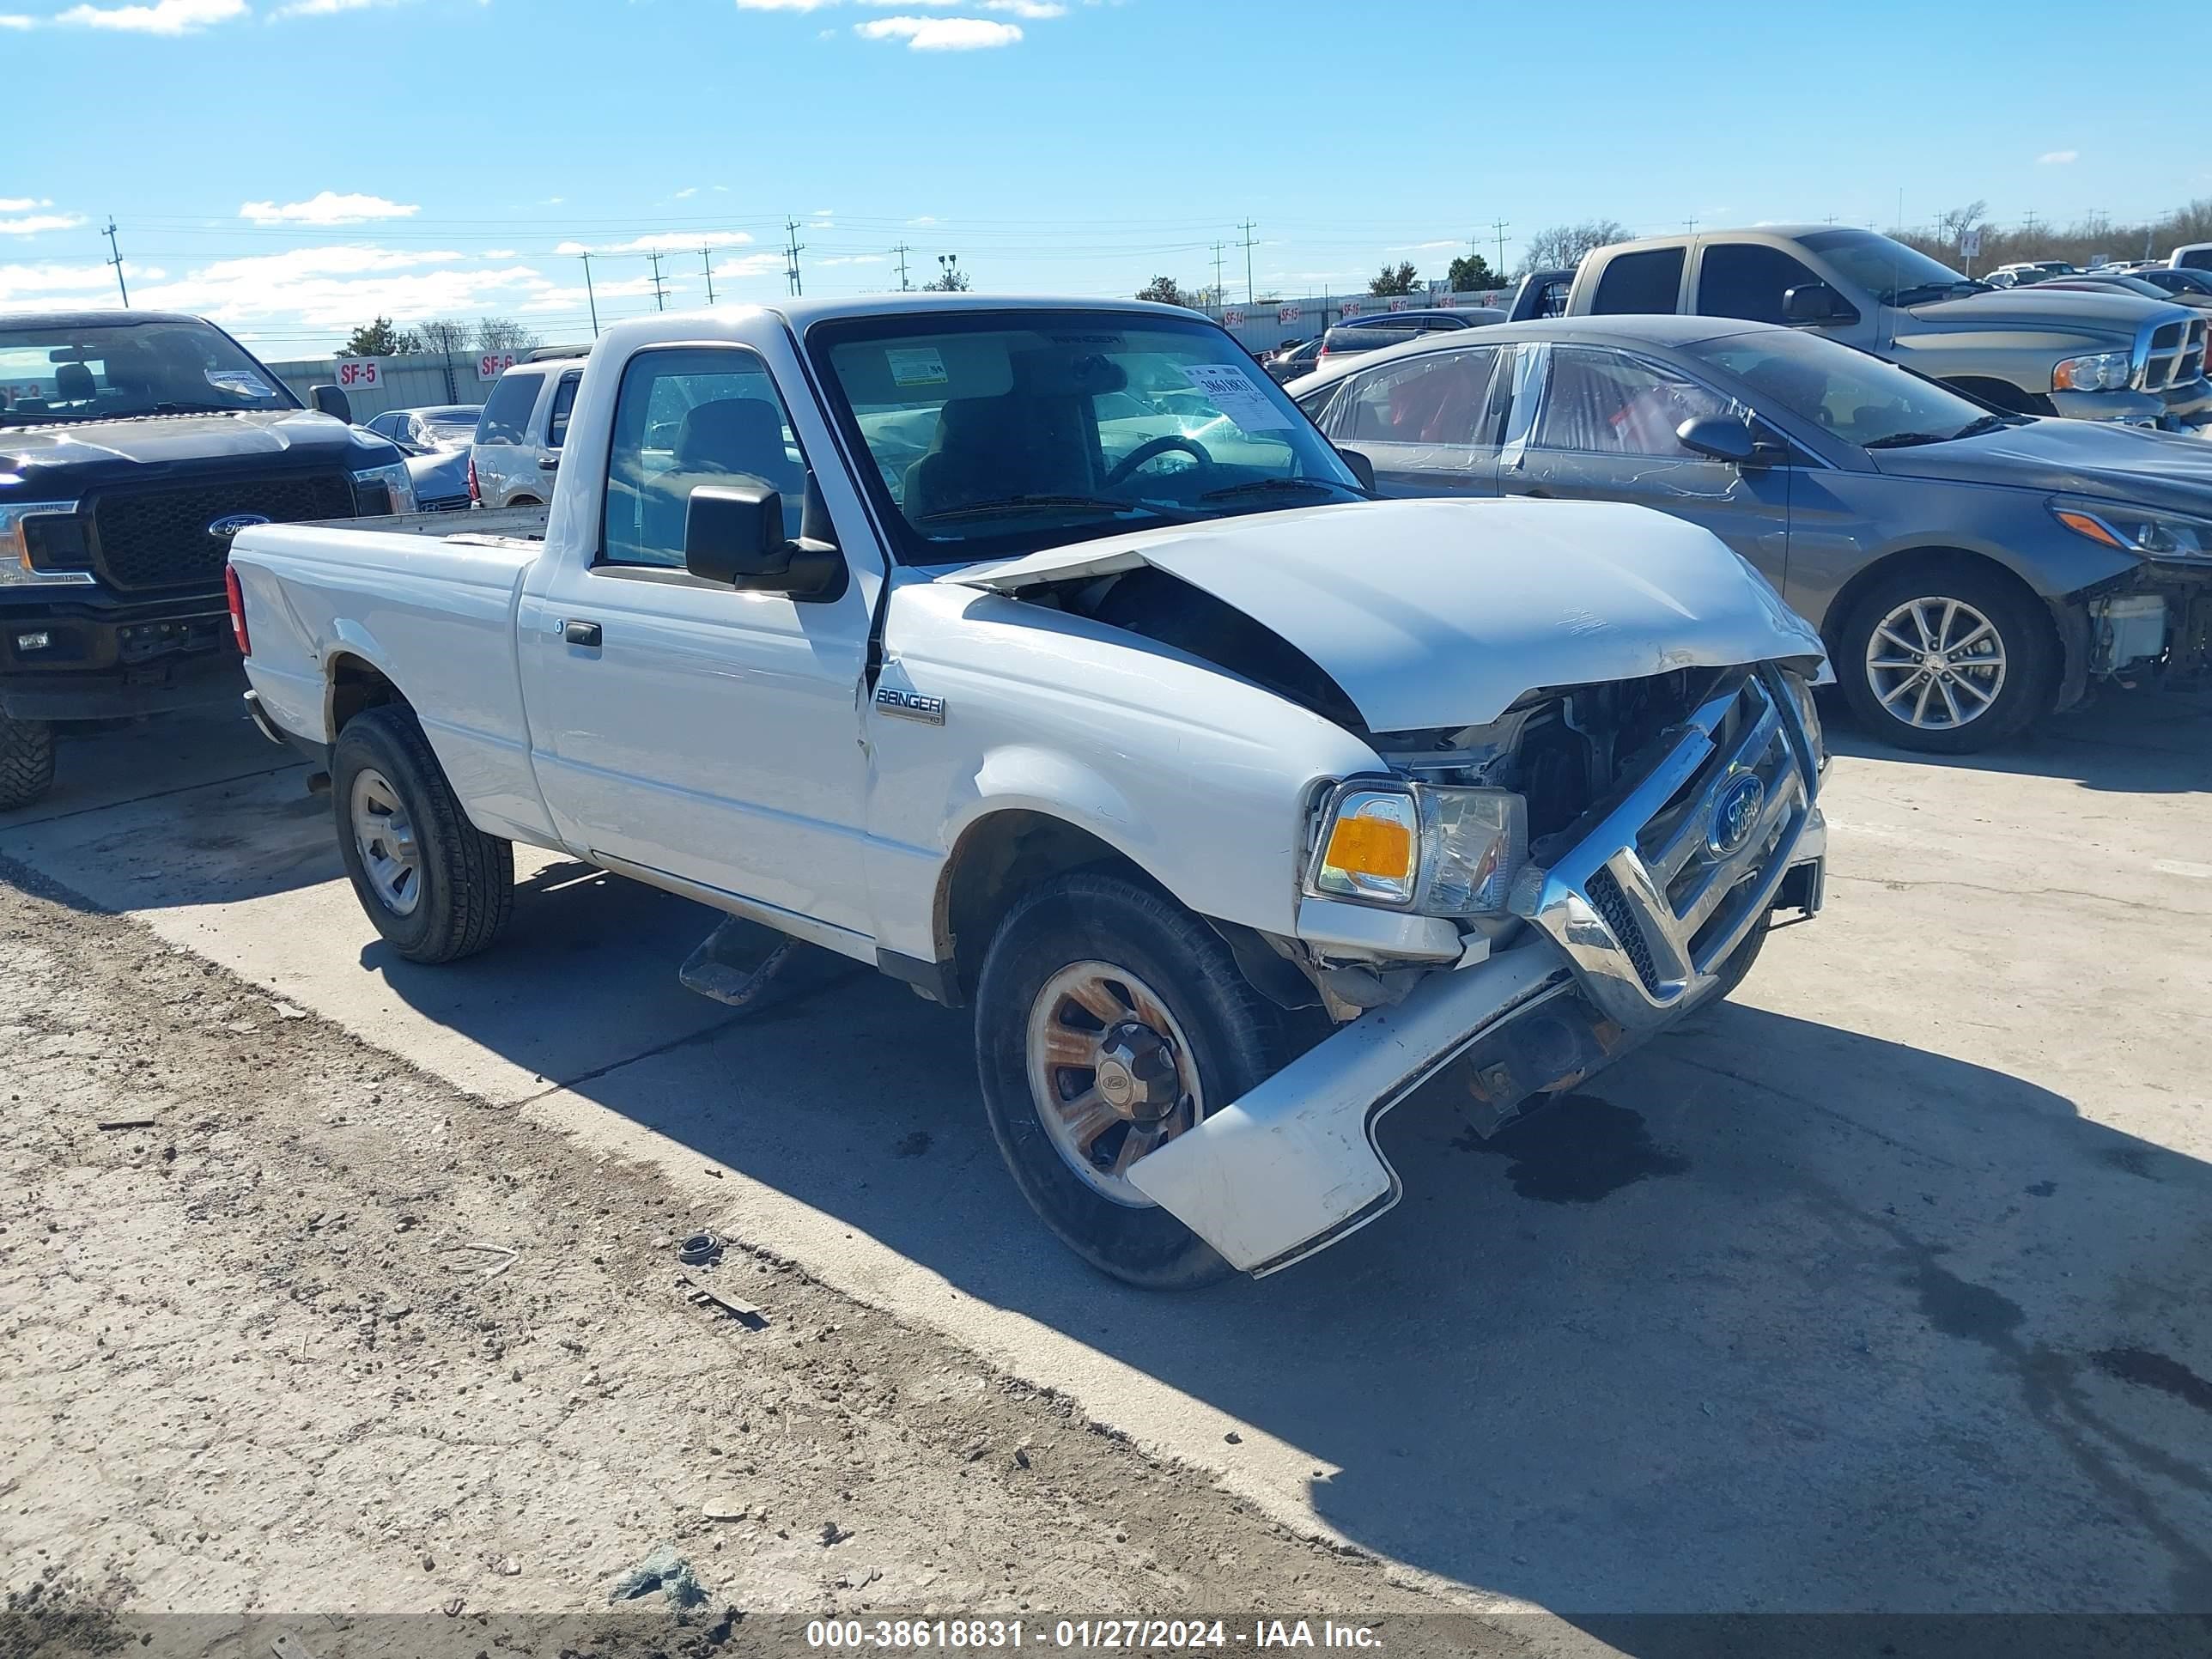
(27,762)
(1108,1021)
(436,886)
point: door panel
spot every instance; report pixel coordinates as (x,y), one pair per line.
(1603,430)
(711,734)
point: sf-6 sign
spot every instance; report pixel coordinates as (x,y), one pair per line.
(493,364)
(360,373)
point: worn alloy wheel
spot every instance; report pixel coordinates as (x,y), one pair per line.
(1110,1072)
(1110,1020)
(384,836)
(1936,662)
(1947,657)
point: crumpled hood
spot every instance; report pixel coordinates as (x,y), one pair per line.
(2071,311)
(1432,613)
(79,455)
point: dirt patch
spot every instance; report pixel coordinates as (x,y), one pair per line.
(332,1336)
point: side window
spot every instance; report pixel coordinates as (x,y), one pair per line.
(685,417)
(1606,403)
(1440,398)
(1742,279)
(1640,284)
(506,417)
(564,399)
(1315,402)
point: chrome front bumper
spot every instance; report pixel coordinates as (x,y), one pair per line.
(1631,927)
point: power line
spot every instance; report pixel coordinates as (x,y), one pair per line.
(117,261)
(791,254)
(592,298)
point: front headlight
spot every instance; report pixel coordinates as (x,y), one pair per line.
(16,569)
(2136,529)
(1801,693)
(1433,850)
(2100,371)
(398,483)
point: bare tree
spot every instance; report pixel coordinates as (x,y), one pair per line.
(1954,224)
(1561,247)
(442,334)
(503,334)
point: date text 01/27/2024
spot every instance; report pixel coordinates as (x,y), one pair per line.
(1127,1635)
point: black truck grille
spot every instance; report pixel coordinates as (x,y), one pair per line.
(157,539)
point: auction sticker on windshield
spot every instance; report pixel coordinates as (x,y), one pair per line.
(238,382)
(916,366)
(1234,392)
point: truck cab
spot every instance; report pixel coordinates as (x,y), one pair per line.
(134,445)
(2092,356)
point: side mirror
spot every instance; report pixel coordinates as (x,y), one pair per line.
(1811,304)
(331,400)
(1721,438)
(734,535)
(1362,468)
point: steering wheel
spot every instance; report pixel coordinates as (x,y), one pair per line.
(1151,450)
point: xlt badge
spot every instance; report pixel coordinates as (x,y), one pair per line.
(910,706)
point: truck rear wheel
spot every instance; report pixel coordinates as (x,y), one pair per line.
(1110,1020)
(1947,658)
(437,888)
(27,762)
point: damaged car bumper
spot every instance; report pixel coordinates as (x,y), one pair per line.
(1629,926)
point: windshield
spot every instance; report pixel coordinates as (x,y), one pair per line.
(1861,399)
(1893,273)
(995,434)
(454,415)
(104,371)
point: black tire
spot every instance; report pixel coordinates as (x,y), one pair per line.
(27,762)
(1236,1038)
(466,877)
(2023,630)
(1741,961)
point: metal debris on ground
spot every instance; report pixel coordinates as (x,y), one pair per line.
(130,1123)
(663,1571)
(289,1646)
(705,1296)
(700,1250)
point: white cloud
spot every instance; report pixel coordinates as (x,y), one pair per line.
(23,204)
(783,5)
(687,192)
(941,34)
(497,254)
(15,19)
(34,223)
(670,241)
(162,17)
(326,207)
(2056,158)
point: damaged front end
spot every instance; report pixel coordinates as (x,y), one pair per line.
(1655,824)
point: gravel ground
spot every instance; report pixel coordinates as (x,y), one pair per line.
(289,1327)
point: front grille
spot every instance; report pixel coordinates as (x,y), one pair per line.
(158,538)
(1612,905)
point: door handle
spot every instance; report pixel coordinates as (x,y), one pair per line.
(581,633)
(552,465)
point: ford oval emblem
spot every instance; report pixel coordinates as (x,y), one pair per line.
(1735,815)
(225,528)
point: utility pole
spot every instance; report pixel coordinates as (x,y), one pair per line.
(1219,248)
(1500,227)
(660,293)
(1247,227)
(791,255)
(707,258)
(903,250)
(1690,226)
(591,298)
(117,261)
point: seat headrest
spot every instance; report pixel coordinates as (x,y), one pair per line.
(732,435)
(73,384)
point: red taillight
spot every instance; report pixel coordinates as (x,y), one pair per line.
(476,496)
(237,598)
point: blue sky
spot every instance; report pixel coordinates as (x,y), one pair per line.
(293,167)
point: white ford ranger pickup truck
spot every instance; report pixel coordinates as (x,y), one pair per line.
(1044,655)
